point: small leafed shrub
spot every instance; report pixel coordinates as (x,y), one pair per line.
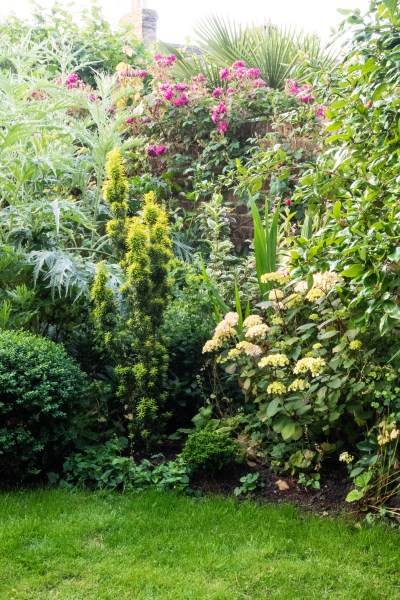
(40,391)
(210,450)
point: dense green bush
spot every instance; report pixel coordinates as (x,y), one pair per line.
(41,389)
(210,450)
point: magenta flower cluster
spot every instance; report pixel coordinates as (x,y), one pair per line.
(133,73)
(303,93)
(165,61)
(239,70)
(73,82)
(169,91)
(218,117)
(153,151)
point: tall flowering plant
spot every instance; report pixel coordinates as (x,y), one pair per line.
(309,386)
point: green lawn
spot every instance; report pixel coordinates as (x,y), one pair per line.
(84,546)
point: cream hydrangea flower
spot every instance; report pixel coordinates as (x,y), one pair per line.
(301,287)
(314,365)
(211,345)
(223,331)
(325,281)
(346,458)
(249,349)
(281,277)
(298,385)
(274,360)
(257,331)
(252,320)
(314,294)
(276,387)
(275,295)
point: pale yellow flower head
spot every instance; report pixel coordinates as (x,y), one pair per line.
(314,294)
(257,331)
(274,360)
(325,281)
(211,345)
(355,345)
(281,277)
(276,387)
(249,349)
(301,287)
(346,458)
(252,320)
(298,385)
(275,295)
(313,365)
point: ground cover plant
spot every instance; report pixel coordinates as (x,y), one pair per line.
(146,546)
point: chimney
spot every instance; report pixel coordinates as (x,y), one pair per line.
(144,22)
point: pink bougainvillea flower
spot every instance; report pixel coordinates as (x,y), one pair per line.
(181,87)
(253,72)
(160,150)
(169,94)
(165,86)
(223,127)
(239,64)
(158,57)
(321,111)
(130,120)
(171,58)
(215,117)
(241,72)
(222,108)
(225,73)
(288,202)
(307,99)
(200,77)
(258,83)
(182,100)
(230,91)
(92,97)
(217,92)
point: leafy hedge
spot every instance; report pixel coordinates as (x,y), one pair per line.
(41,389)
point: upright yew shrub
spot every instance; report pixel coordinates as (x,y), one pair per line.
(128,323)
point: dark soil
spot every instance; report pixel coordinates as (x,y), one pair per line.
(329,499)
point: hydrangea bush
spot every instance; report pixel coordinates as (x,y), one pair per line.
(311,383)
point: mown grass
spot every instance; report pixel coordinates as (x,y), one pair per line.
(151,546)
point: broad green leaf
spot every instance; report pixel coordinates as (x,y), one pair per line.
(379,91)
(354,495)
(353,271)
(337,210)
(273,407)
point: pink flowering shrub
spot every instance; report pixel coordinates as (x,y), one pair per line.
(202,127)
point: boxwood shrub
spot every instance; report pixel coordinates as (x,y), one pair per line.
(41,389)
